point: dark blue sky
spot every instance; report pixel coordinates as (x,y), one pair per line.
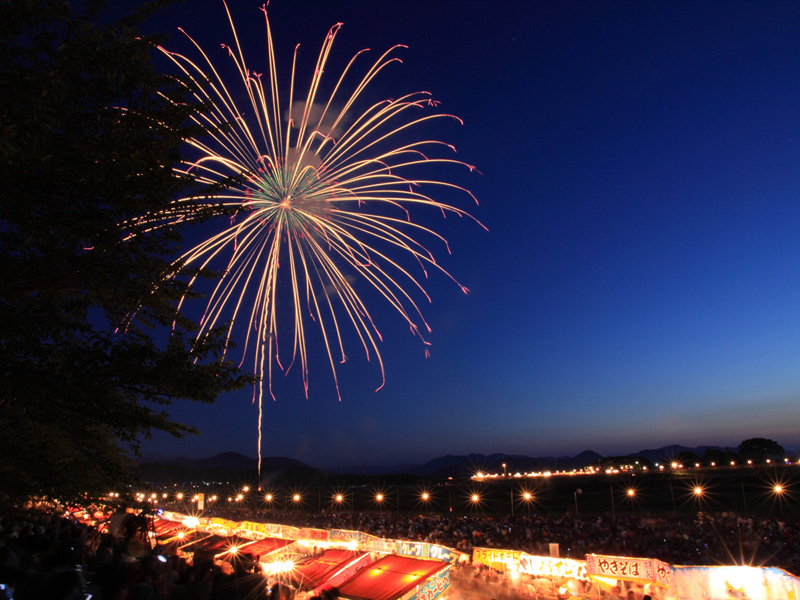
(638,286)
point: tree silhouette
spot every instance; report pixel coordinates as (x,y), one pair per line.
(759,449)
(88,352)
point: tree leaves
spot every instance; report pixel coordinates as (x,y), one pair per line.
(89,131)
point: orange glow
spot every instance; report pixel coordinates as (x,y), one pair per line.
(191,522)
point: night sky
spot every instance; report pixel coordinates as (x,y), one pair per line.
(638,285)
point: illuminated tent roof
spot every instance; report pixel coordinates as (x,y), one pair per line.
(389,578)
(181,538)
(200,541)
(216,544)
(315,570)
(166,529)
(265,546)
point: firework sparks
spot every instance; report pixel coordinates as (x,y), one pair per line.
(325,198)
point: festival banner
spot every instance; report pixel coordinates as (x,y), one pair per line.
(499,560)
(308,533)
(442,553)
(225,524)
(256,528)
(288,532)
(414,549)
(663,573)
(620,567)
(379,545)
(546,566)
(345,535)
(432,588)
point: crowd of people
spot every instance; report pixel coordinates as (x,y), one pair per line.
(706,539)
(45,557)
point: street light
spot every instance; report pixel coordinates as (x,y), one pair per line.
(575,493)
(778,489)
(475,499)
(527,497)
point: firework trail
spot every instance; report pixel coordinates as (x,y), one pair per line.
(324,199)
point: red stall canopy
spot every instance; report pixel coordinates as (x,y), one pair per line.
(315,570)
(265,546)
(218,544)
(199,541)
(166,529)
(389,578)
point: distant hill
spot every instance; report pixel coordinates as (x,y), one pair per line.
(232,466)
(224,468)
(467,465)
(666,453)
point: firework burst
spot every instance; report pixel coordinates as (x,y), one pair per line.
(325,198)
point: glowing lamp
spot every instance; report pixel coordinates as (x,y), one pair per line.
(191,522)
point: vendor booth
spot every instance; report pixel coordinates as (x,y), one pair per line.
(327,570)
(394,577)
